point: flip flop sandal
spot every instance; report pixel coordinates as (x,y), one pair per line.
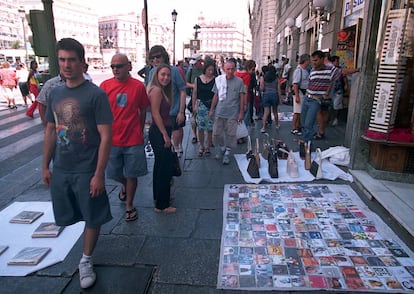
(207,153)
(131,215)
(122,195)
(200,152)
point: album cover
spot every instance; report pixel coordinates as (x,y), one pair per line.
(47,230)
(29,256)
(318,282)
(26,217)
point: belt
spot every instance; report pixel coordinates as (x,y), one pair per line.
(318,98)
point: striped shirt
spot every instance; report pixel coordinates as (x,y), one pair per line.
(319,80)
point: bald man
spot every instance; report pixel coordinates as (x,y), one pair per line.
(129,102)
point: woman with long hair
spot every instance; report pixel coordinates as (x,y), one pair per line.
(161,96)
(33,84)
(201,100)
(269,88)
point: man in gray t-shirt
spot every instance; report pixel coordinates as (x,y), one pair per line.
(227,109)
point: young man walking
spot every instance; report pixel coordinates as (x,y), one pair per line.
(78,137)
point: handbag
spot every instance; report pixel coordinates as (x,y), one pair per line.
(266,146)
(272,160)
(249,148)
(253,168)
(292,168)
(242,130)
(316,166)
(282,150)
(256,153)
(307,156)
(176,168)
(190,105)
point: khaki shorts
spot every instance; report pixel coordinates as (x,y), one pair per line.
(224,132)
(338,101)
(297,107)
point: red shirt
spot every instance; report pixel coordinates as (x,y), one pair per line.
(245,76)
(128,101)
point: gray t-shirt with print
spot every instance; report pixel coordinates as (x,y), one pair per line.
(76,112)
(230,106)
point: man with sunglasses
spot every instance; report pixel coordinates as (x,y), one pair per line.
(129,101)
(158,55)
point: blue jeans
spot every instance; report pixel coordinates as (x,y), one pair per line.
(310,108)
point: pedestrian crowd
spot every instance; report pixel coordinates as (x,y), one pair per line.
(93,133)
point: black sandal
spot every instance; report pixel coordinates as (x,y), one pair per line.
(122,195)
(131,215)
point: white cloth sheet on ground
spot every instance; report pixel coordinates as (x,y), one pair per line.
(19,236)
(330,171)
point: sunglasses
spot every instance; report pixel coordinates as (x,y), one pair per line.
(118,66)
(155,56)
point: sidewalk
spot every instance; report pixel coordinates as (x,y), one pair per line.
(176,253)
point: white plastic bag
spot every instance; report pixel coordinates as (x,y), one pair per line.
(242,130)
(338,155)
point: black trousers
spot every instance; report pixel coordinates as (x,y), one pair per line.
(162,173)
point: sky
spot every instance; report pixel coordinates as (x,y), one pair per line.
(188,12)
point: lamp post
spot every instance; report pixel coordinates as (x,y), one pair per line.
(196,28)
(321,8)
(270,37)
(174,19)
(290,22)
(22,14)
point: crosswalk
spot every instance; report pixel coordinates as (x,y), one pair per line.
(20,138)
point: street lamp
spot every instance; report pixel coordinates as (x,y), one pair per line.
(174,19)
(270,37)
(322,16)
(290,23)
(196,28)
(22,14)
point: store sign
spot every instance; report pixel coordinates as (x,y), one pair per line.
(382,101)
(392,44)
(352,6)
(195,44)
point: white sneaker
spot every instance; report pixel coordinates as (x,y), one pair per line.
(335,122)
(226,159)
(87,276)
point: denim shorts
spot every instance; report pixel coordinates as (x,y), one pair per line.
(127,162)
(72,201)
(270,99)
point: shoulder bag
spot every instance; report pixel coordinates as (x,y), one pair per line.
(316,166)
(176,168)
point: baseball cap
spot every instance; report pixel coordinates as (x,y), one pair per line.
(195,57)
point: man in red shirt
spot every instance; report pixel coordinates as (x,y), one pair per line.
(129,101)
(245,73)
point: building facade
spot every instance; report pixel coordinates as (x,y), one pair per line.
(73,19)
(223,39)
(10,25)
(374,36)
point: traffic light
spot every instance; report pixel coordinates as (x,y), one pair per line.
(41,36)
